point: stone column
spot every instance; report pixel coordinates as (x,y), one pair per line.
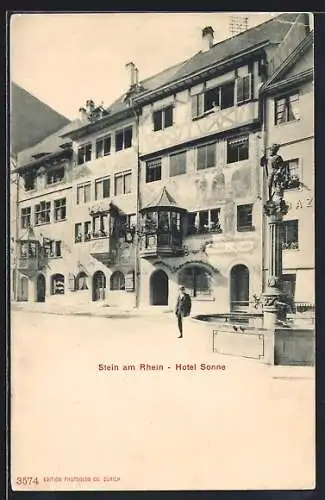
(273,294)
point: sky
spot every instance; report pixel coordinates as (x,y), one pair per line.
(65,59)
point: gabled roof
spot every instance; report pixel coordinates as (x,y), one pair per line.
(164,200)
(52,144)
(28,235)
(31,119)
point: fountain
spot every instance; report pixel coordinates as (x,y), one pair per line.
(272,336)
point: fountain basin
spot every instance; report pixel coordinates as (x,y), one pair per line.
(243,335)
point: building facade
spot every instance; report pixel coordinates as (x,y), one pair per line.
(163,188)
(289,122)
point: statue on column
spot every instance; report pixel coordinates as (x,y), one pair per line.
(279,173)
(278,178)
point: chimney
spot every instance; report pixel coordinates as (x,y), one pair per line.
(133,73)
(207,38)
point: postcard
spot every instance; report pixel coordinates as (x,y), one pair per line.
(162,251)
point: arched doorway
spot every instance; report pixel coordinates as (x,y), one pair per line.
(117,281)
(99,285)
(239,288)
(159,288)
(40,288)
(23,296)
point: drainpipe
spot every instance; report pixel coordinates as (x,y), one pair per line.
(137,223)
(16,239)
(263,143)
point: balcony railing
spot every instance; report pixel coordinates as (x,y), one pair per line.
(161,243)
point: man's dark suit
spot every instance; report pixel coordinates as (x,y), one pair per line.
(183,309)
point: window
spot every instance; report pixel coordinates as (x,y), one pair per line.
(87,230)
(206,156)
(123,183)
(81,281)
(286,109)
(204,221)
(153,170)
(163,118)
(52,248)
(237,149)
(84,153)
(29,181)
(195,279)
(25,217)
(55,175)
(60,210)
(42,212)
(123,139)
(100,226)
(289,235)
(78,232)
(245,218)
(244,88)
(102,188)
(294,177)
(177,164)
(83,193)
(103,146)
(124,223)
(57,284)
(117,281)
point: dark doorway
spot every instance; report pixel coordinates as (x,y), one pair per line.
(23,289)
(40,287)
(99,286)
(239,288)
(159,288)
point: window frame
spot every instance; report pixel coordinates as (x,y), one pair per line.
(58,208)
(206,145)
(51,172)
(153,169)
(163,111)
(284,230)
(25,213)
(245,227)
(46,210)
(123,132)
(101,140)
(286,97)
(83,147)
(177,153)
(78,198)
(123,175)
(236,139)
(100,181)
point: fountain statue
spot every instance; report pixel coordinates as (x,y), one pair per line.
(273,299)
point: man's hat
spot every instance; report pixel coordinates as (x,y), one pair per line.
(275,146)
(182,288)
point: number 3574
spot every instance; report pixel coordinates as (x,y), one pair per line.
(26,480)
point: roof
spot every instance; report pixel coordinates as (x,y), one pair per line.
(31,119)
(272,32)
(50,145)
(288,63)
(28,235)
(164,200)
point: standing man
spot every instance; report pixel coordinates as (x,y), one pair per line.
(183,308)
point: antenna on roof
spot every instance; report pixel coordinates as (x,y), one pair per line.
(238,24)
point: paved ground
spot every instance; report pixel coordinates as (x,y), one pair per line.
(245,427)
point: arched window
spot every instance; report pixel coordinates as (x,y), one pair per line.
(82,281)
(239,291)
(57,284)
(196,279)
(117,281)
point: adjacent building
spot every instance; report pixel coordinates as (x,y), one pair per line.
(165,187)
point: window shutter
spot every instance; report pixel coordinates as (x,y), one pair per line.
(244,88)
(129,282)
(71,282)
(197,105)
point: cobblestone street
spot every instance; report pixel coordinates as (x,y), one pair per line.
(242,427)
